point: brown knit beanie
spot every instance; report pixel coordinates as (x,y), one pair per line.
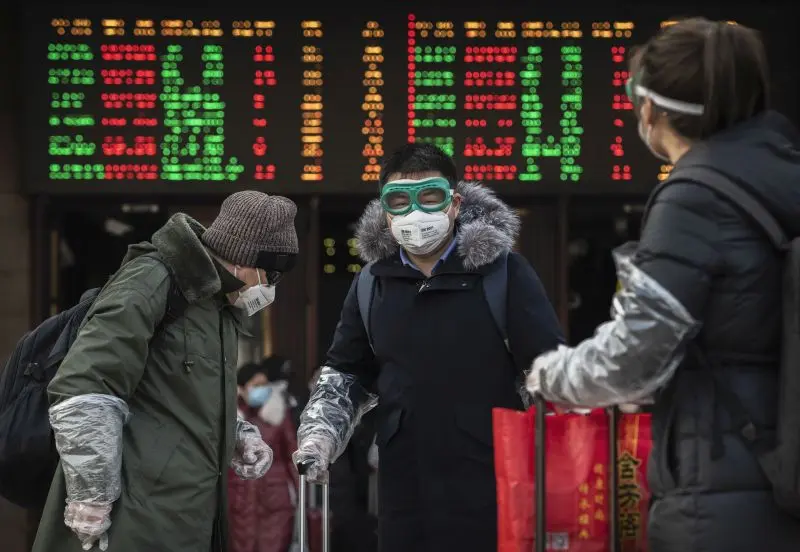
(250,222)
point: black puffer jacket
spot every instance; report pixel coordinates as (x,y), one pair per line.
(723,269)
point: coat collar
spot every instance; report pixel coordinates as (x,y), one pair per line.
(178,245)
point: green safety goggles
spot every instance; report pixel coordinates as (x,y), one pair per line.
(630,89)
(428,195)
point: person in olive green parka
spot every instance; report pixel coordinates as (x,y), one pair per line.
(144,411)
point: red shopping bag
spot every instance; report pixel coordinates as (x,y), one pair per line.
(576,481)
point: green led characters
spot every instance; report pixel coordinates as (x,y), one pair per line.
(194,116)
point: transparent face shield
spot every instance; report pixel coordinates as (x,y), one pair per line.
(636,92)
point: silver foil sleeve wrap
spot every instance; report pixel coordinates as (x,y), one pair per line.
(630,357)
(88,436)
(335,409)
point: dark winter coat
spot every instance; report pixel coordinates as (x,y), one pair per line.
(353,528)
(262,511)
(181,390)
(440,366)
(723,269)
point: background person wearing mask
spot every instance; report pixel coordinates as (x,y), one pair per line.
(279,371)
(439,362)
(262,512)
(700,89)
(145,419)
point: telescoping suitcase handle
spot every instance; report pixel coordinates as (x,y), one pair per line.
(302,469)
(540,496)
(540,455)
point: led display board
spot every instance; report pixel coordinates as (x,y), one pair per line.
(122,101)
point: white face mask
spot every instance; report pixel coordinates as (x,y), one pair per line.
(256,298)
(420,233)
(644,135)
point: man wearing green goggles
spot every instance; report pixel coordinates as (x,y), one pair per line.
(441,323)
(421,214)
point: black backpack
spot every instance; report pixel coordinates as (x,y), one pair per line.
(779,453)
(28,456)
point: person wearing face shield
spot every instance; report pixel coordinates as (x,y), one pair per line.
(143,407)
(696,325)
(433,357)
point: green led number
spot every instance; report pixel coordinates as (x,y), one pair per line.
(194,117)
(433,107)
(69,147)
(567,146)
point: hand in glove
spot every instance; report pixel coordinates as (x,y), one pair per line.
(532,380)
(314,455)
(89,521)
(253,457)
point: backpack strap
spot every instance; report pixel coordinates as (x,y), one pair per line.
(736,192)
(495,288)
(176,300)
(365,289)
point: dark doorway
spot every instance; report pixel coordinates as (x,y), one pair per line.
(596,227)
(93,242)
(339,263)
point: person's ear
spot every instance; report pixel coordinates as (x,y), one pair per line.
(648,112)
(456,203)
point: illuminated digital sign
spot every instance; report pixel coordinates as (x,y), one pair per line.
(136,104)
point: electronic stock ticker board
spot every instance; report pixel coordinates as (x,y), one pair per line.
(131,103)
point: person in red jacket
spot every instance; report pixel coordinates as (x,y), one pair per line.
(261,512)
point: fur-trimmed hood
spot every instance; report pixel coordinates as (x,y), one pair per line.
(486,227)
(179,246)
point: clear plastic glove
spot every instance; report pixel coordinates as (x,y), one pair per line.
(314,454)
(334,410)
(252,458)
(90,522)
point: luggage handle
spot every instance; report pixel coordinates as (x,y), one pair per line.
(540,496)
(302,469)
(540,454)
(615,545)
